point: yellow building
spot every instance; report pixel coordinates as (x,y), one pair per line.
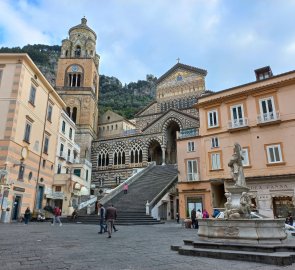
(260,116)
(30,112)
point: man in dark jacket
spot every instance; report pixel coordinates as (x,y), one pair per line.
(193,217)
(102,219)
(111,216)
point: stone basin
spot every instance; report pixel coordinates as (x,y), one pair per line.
(263,231)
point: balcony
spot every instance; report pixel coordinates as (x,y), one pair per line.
(268,118)
(193,177)
(63,178)
(62,155)
(187,133)
(70,160)
(238,124)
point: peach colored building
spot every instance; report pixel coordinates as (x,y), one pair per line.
(260,116)
(30,112)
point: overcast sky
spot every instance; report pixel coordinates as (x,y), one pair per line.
(228,38)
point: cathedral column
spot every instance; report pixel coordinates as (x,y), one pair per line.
(163,155)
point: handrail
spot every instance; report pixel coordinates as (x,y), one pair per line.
(162,193)
(119,188)
(89,202)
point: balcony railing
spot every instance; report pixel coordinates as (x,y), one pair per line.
(188,133)
(268,117)
(238,123)
(62,155)
(193,177)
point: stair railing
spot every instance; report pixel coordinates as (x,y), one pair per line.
(129,181)
(150,205)
(88,202)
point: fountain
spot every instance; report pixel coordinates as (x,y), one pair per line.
(237,225)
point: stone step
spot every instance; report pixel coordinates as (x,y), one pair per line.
(242,247)
(275,258)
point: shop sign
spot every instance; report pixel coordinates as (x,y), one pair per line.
(55,195)
(19,189)
(270,187)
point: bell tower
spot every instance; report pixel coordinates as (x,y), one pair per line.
(77,83)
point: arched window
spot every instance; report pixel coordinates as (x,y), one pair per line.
(136,154)
(74,115)
(74,79)
(67,52)
(103,158)
(78,51)
(119,156)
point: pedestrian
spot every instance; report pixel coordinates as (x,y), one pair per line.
(125,188)
(57,214)
(75,214)
(27,215)
(177,217)
(111,216)
(205,214)
(198,216)
(103,227)
(289,219)
(193,218)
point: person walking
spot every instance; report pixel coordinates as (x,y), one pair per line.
(27,215)
(103,226)
(111,216)
(125,188)
(57,214)
(193,217)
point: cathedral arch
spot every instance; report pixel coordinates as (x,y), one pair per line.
(78,51)
(119,156)
(103,158)
(154,150)
(74,76)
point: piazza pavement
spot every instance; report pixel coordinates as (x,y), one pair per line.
(78,246)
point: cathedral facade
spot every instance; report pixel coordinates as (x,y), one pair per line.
(157,128)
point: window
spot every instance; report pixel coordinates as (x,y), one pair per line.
(214,142)
(32,95)
(1,72)
(87,175)
(58,168)
(58,189)
(44,163)
(212,119)
(192,170)
(74,79)
(70,133)
(245,155)
(77,172)
(63,127)
(215,161)
(237,116)
(49,113)
(191,146)
(27,132)
(267,110)
(61,150)
(21,172)
(274,153)
(46,144)
(69,154)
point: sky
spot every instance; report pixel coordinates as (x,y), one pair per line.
(228,38)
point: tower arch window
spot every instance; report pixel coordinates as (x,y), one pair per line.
(74,79)
(74,114)
(78,51)
(67,53)
(68,111)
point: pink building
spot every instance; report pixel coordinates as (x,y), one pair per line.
(260,116)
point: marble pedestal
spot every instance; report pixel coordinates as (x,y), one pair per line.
(266,231)
(236,193)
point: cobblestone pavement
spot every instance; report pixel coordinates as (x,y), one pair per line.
(76,246)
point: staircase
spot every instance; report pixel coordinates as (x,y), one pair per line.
(131,207)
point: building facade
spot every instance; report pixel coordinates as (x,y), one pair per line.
(259,116)
(156,126)
(30,110)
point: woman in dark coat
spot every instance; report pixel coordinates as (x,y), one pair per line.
(27,215)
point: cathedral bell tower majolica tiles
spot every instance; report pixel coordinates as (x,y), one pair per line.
(157,127)
(77,83)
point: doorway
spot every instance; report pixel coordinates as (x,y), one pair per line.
(16,207)
(171,151)
(40,197)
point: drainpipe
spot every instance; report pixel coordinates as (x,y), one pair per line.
(41,152)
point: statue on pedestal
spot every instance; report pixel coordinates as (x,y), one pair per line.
(236,165)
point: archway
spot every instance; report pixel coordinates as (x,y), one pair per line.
(171,150)
(155,152)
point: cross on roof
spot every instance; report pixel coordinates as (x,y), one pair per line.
(178,59)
